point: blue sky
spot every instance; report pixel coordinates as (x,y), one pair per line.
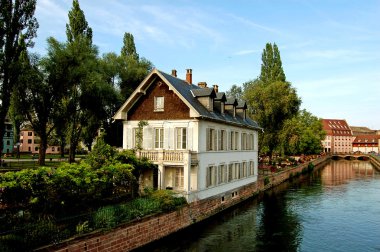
(330,50)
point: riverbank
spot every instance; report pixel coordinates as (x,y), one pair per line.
(375,161)
(140,232)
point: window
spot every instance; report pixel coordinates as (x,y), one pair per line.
(244,141)
(234,140)
(222,174)
(30,133)
(230,171)
(244,169)
(222,140)
(181,138)
(251,168)
(236,174)
(8,134)
(159,138)
(159,103)
(211,176)
(52,149)
(210,139)
(36,148)
(8,142)
(179,180)
(29,141)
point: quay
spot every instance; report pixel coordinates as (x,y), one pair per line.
(143,231)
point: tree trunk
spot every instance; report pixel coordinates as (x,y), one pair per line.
(42,152)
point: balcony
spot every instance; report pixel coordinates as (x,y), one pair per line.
(171,156)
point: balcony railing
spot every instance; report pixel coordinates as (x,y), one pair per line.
(162,155)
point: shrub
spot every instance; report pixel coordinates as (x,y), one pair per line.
(105,217)
(167,199)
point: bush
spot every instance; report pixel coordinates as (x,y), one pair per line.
(167,199)
(105,217)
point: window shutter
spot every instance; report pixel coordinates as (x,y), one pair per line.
(207,139)
(215,140)
(148,141)
(219,139)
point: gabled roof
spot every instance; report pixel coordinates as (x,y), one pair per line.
(231,101)
(203,92)
(363,139)
(336,127)
(220,96)
(188,93)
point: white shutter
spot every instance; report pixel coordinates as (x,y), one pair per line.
(166,139)
(219,139)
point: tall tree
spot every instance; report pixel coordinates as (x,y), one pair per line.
(132,69)
(271,66)
(16,21)
(81,75)
(39,98)
(272,99)
(129,48)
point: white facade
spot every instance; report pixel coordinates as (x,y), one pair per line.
(196,171)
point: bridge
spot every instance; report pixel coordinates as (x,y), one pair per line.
(350,156)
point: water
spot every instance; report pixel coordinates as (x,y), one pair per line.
(335,209)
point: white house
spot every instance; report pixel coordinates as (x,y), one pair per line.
(203,143)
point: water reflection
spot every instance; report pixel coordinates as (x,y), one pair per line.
(335,209)
(339,172)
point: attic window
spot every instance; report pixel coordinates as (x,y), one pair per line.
(158,103)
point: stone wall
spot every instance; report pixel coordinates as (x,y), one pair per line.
(141,232)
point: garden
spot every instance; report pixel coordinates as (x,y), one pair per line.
(50,204)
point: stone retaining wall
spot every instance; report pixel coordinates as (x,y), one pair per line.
(141,232)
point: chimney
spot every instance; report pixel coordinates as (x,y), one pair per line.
(202,84)
(174,73)
(216,88)
(189,76)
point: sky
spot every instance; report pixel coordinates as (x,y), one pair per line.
(330,49)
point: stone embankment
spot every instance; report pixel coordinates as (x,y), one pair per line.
(375,161)
(143,231)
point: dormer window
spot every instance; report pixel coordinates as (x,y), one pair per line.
(158,103)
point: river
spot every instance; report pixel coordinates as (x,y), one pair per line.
(337,208)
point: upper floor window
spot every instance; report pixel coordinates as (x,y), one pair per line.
(210,139)
(29,141)
(159,138)
(181,138)
(158,103)
(234,140)
(30,133)
(222,140)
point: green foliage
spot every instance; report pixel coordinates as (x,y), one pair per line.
(139,134)
(302,134)
(271,67)
(129,48)
(272,104)
(105,218)
(235,92)
(18,27)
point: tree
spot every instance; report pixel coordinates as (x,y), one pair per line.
(302,134)
(17,22)
(271,67)
(132,69)
(272,99)
(129,48)
(235,92)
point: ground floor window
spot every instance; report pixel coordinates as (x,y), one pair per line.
(211,176)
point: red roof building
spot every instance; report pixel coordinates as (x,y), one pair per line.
(366,144)
(339,136)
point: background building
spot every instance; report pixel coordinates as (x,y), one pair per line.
(339,136)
